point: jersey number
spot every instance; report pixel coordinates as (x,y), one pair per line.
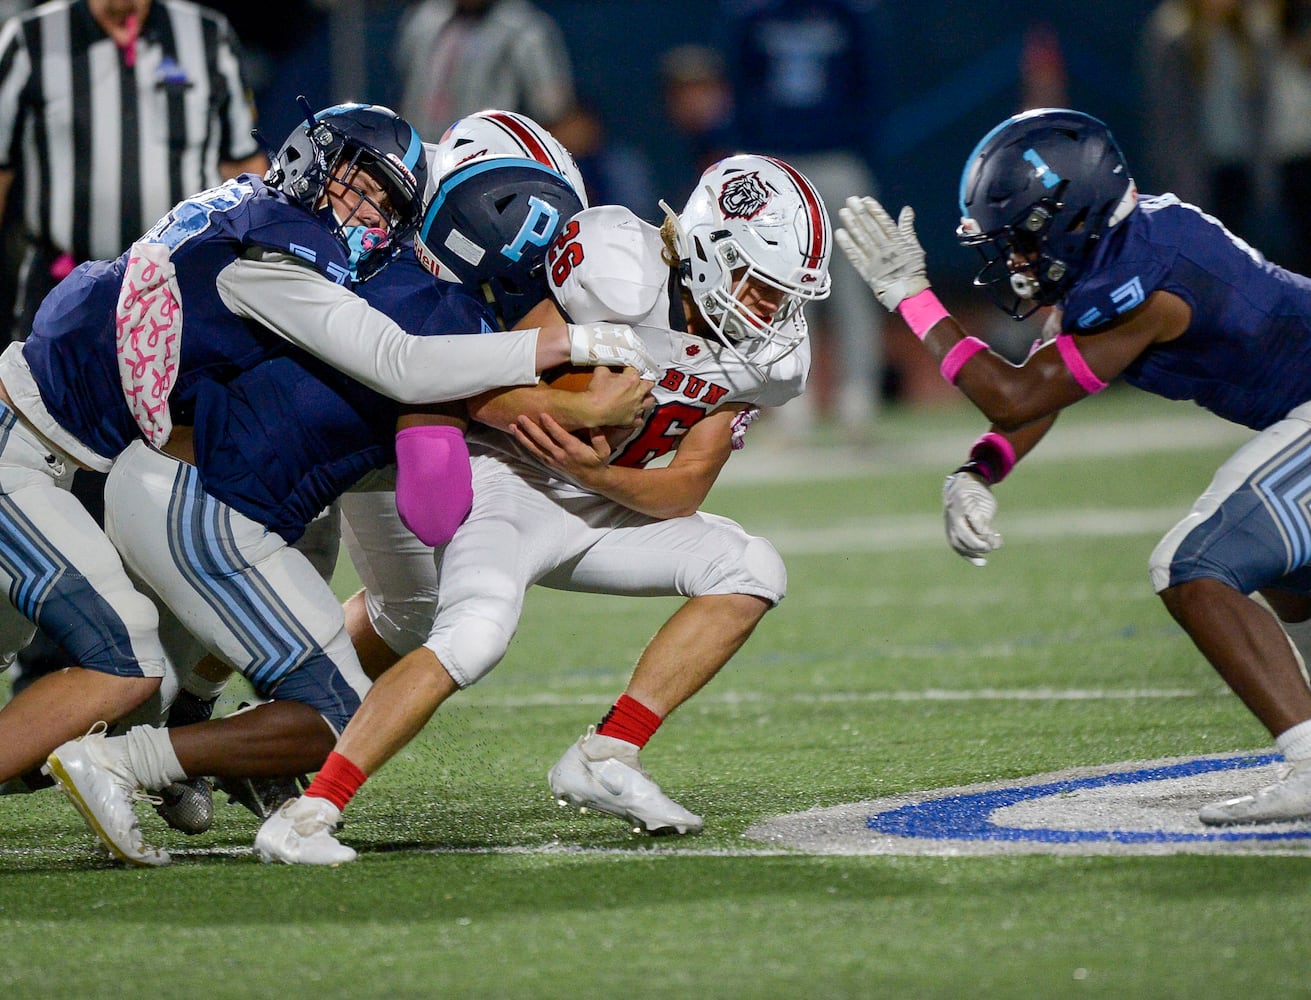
(566,254)
(660,435)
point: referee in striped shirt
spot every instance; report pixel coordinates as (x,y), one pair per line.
(111,112)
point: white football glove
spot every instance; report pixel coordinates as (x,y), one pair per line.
(969,507)
(613,345)
(886,254)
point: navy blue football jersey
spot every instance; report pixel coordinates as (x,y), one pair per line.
(1246,355)
(284,439)
(72,350)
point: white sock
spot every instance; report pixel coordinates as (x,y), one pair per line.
(1295,743)
(151,757)
(202,687)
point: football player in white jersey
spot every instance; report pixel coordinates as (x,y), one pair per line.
(716,296)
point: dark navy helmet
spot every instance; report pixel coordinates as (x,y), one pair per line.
(488,228)
(1037,194)
(329,146)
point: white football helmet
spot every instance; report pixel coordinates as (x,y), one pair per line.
(500,133)
(754,219)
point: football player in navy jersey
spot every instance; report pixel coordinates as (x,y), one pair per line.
(263,269)
(209,530)
(1157,292)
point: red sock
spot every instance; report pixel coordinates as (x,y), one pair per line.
(629,720)
(338,781)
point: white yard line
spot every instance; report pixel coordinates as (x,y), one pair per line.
(546,699)
(898,533)
(766,458)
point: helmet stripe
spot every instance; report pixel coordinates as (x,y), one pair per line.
(814,209)
(525,137)
(969,162)
(415,151)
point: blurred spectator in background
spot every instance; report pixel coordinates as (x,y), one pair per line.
(1290,132)
(460,56)
(13,243)
(614,173)
(279,62)
(807,88)
(1205,68)
(1043,80)
(698,102)
(111,112)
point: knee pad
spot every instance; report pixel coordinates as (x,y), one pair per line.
(469,646)
(742,564)
(129,648)
(154,710)
(325,685)
(761,561)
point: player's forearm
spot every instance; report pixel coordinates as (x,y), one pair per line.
(664,493)
(995,453)
(500,408)
(341,329)
(1010,396)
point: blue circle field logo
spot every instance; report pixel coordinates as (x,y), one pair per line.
(1144,807)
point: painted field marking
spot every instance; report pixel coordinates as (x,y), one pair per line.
(1140,807)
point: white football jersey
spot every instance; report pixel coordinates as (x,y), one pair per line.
(606,265)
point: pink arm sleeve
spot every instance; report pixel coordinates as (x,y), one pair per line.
(434,485)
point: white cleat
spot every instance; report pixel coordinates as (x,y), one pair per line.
(604,774)
(103,794)
(300,832)
(1287,800)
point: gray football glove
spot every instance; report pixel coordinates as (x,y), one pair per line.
(968,508)
(886,254)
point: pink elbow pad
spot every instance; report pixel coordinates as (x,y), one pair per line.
(434,484)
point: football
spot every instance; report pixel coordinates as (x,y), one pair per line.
(569,378)
(576,378)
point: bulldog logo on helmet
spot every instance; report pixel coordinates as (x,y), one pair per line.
(743,196)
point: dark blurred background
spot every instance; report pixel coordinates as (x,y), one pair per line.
(952,71)
(1227,84)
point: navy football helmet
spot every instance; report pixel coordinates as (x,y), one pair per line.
(489,225)
(1037,195)
(328,147)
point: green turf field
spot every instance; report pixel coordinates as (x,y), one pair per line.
(471,883)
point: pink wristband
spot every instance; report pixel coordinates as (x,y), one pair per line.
(1087,379)
(991,444)
(958,355)
(921,311)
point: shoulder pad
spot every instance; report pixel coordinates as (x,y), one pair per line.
(607,266)
(274,222)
